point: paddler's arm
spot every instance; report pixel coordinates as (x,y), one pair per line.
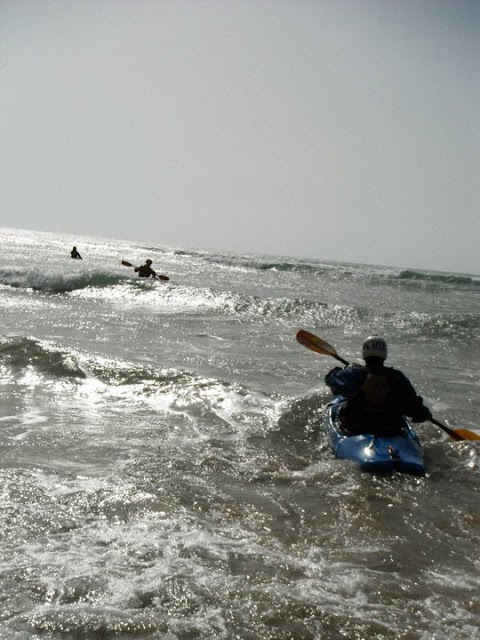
(418,412)
(345,382)
(412,403)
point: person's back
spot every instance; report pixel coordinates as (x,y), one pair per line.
(74,254)
(377,396)
(145,271)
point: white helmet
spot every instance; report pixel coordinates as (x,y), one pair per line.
(374,346)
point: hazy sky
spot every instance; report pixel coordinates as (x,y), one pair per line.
(329,129)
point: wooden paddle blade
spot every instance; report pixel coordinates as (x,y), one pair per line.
(164,278)
(454,435)
(314,343)
(467,435)
(126,263)
(457,434)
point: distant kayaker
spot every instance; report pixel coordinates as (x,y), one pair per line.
(377,396)
(75,255)
(145,271)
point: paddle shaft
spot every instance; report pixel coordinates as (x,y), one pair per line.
(337,357)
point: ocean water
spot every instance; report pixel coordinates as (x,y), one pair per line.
(164,471)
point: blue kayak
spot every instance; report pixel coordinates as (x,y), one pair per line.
(377,454)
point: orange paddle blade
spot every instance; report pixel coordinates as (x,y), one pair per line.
(314,343)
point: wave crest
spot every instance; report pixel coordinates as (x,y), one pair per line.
(19,353)
(438,277)
(57,282)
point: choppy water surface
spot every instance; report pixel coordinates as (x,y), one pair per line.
(164,474)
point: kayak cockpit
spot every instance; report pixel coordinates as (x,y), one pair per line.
(375,453)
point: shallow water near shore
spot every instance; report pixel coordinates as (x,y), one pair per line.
(164,472)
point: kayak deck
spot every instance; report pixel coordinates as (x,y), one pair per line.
(376,454)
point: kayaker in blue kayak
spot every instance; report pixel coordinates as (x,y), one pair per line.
(376,395)
(145,271)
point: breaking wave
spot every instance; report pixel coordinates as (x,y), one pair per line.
(370,274)
(439,278)
(19,353)
(57,283)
